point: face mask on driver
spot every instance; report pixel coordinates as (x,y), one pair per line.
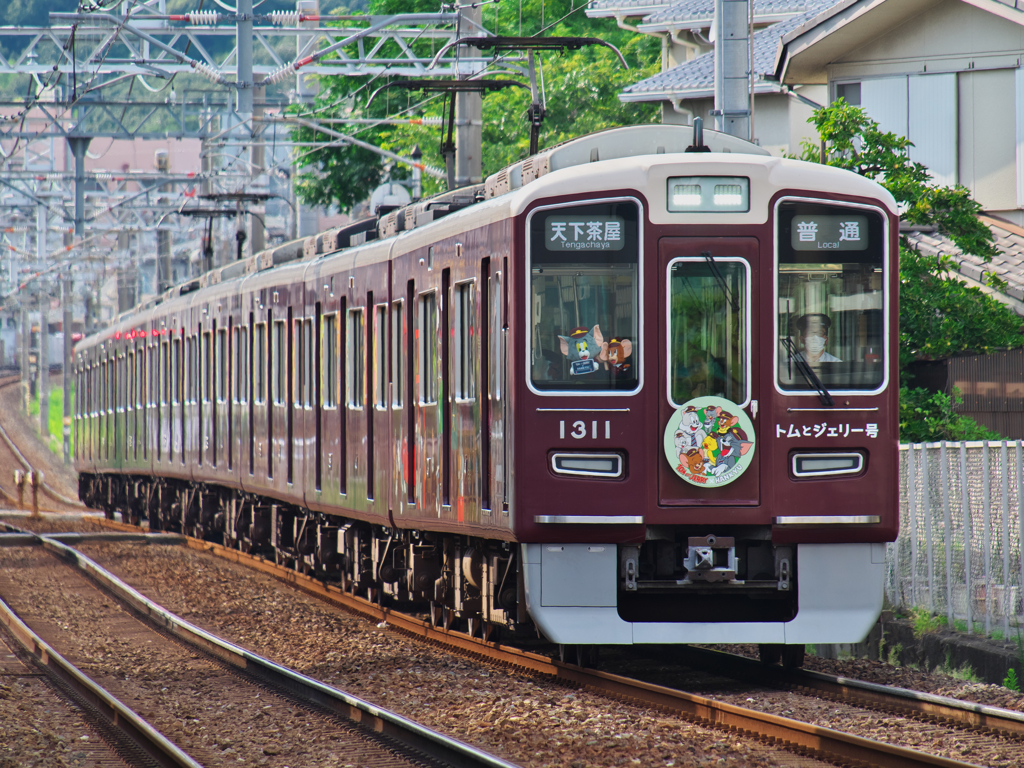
(814,344)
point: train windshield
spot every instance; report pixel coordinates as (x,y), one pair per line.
(708,329)
(831,319)
(584,298)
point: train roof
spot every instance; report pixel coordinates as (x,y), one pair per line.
(627,156)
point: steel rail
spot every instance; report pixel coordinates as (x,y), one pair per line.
(447,750)
(873,695)
(123,719)
(24,462)
(793,735)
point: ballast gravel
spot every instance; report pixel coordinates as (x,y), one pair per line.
(530,721)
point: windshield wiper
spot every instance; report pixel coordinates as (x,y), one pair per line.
(717,274)
(808,372)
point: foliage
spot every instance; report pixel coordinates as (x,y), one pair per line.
(893,657)
(581,89)
(1011,681)
(964,672)
(940,315)
(924,622)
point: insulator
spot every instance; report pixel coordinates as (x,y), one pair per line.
(280,74)
(284,18)
(203,17)
(206,71)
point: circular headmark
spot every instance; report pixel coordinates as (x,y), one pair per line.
(709,441)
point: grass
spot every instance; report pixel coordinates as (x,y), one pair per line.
(55,421)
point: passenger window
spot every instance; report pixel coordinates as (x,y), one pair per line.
(427,349)
(831,308)
(259,369)
(708,341)
(357,361)
(380,356)
(465,357)
(584,298)
(397,356)
(280,393)
(222,366)
(330,361)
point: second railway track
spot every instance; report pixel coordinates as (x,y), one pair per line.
(221,705)
(962,737)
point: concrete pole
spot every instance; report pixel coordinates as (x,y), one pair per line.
(732,79)
(469,119)
(44,363)
(243,31)
(26,344)
(257,236)
(79,145)
(66,298)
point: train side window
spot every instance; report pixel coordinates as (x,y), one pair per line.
(709,329)
(130,370)
(300,366)
(280,393)
(830,286)
(259,368)
(356,362)
(427,351)
(310,364)
(241,364)
(495,368)
(163,384)
(380,358)
(397,356)
(222,365)
(584,299)
(206,372)
(329,370)
(464,333)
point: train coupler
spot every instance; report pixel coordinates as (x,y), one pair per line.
(711,559)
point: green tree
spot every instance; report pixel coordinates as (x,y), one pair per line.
(940,315)
(581,89)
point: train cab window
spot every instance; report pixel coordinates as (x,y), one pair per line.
(584,309)
(427,349)
(709,329)
(259,368)
(830,284)
(465,358)
(330,361)
(356,363)
(397,354)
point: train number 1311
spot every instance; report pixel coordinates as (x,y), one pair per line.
(578,429)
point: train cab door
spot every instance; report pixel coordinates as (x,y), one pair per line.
(708,410)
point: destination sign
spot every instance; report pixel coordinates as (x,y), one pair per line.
(584,233)
(830,233)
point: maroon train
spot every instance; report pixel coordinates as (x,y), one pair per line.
(625,391)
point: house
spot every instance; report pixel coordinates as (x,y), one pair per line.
(686,86)
(945,73)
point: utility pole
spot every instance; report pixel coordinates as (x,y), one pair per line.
(732,70)
(26,370)
(257,236)
(469,112)
(66,299)
(44,363)
(165,279)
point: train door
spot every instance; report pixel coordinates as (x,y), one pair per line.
(709,371)
(355,426)
(262,366)
(221,388)
(494,446)
(240,428)
(280,349)
(402,494)
(330,467)
(464,436)
(428,402)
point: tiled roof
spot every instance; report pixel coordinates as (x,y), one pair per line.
(702,11)
(1008,264)
(696,78)
(598,9)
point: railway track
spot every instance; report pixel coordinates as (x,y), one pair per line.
(204,693)
(978,729)
(13,456)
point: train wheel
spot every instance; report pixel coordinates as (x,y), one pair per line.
(770,653)
(793,656)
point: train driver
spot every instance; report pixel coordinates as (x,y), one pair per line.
(812,333)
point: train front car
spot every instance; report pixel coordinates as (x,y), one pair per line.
(706,400)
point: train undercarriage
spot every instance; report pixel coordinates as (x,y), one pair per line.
(465,582)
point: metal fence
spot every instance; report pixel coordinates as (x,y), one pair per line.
(959,549)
